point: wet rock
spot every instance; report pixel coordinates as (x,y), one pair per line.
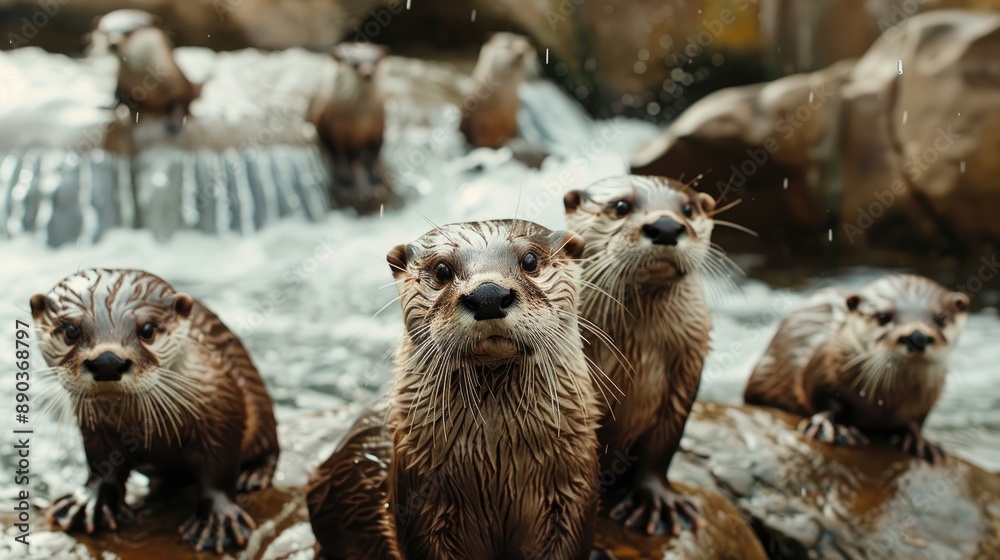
(898,144)
(806,499)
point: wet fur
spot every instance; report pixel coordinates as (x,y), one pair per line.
(488,461)
(832,357)
(649,300)
(192,408)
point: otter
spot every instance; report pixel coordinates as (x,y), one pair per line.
(648,239)
(149,79)
(159,385)
(349,117)
(866,363)
(489,112)
(487,445)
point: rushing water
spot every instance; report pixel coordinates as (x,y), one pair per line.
(314,304)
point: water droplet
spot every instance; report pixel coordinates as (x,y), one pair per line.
(381,210)
(473,15)
(880,402)
(900,67)
(666,41)
(785,183)
(718,59)
(653,108)
(643,54)
(830,234)
(810,97)
(906,116)
(546,56)
(961,166)
(862,392)
(639,67)
(407,4)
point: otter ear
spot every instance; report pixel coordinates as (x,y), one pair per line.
(853,301)
(567,243)
(38,304)
(573,199)
(959,302)
(183,304)
(706,202)
(398,257)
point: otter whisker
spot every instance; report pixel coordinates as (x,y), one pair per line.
(736,226)
(364,326)
(722,209)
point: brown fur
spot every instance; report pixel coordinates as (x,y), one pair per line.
(493,444)
(190,407)
(648,299)
(149,80)
(489,113)
(349,116)
(815,365)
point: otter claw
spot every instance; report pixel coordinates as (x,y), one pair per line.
(822,429)
(88,510)
(915,444)
(257,478)
(657,511)
(225,527)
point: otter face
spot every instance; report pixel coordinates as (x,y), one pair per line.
(487,293)
(906,318)
(508,51)
(116,27)
(109,333)
(647,230)
(363,58)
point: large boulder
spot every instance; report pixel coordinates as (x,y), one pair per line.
(812,500)
(893,151)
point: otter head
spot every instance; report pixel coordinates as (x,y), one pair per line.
(505,54)
(488,294)
(108,334)
(904,319)
(643,230)
(363,58)
(114,28)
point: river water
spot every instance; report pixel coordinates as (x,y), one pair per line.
(314,304)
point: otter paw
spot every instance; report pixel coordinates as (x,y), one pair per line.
(225,527)
(257,478)
(89,509)
(914,443)
(656,509)
(822,429)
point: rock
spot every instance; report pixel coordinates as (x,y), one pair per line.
(806,499)
(898,144)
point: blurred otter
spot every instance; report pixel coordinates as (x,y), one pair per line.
(487,447)
(149,80)
(137,357)
(489,113)
(349,117)
(872,362)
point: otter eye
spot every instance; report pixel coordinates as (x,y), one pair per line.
(529,262)
(71,333)
(688,210)
(883,318)
(622,208)
(147,331)
(941,319)
(442,272)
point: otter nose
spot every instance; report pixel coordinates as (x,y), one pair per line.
(488,301)
(916,341)
(664,231)
(107,367)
